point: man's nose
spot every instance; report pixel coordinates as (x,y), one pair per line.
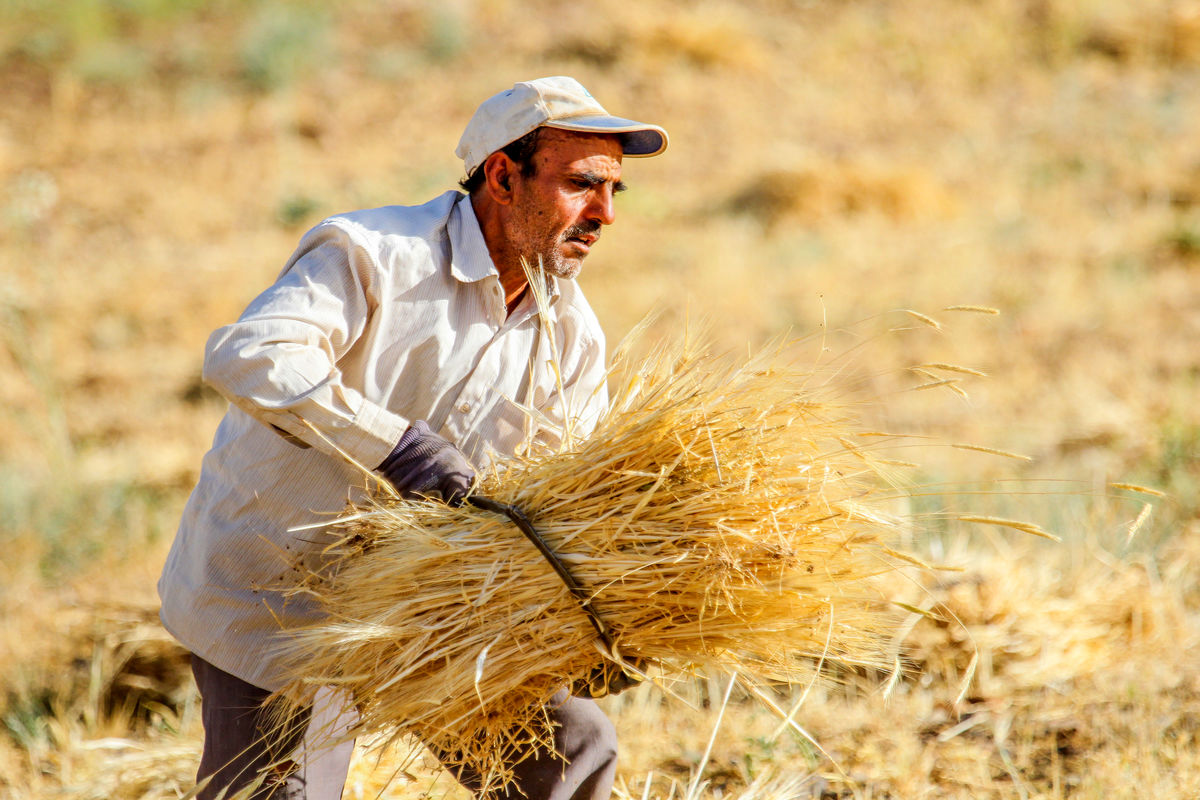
(602,208)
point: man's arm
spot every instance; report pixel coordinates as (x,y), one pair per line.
(279,361)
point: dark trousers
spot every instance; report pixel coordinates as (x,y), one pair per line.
(245,743)
(242,743)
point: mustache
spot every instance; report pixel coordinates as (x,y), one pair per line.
(590,227)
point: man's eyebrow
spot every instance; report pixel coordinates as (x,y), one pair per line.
(595,179)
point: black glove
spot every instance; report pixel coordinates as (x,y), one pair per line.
(608,678)
(423,463)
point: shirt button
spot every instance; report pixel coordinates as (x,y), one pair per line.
(464,407)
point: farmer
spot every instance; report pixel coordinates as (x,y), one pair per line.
(404,340)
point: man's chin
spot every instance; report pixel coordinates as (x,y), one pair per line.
(565,268)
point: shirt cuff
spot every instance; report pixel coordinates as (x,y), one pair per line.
(374,433)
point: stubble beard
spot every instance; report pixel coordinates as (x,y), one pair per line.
(550,255)
(545,248)
(556,264)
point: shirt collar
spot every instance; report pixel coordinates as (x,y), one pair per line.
(470,260)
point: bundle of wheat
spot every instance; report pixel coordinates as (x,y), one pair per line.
(718,517)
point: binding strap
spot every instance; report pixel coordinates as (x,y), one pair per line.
(518,518)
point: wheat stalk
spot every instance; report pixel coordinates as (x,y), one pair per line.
(718,516)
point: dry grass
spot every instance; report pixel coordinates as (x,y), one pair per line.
(1094,690)
(1037,157)
(719,519)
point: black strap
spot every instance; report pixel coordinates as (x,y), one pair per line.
(521,521)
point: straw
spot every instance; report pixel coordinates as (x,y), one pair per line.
(719,515)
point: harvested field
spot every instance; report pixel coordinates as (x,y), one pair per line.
(831,164)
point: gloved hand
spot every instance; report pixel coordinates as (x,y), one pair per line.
(423,463)
(608,678)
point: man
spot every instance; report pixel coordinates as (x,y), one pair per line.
(405,340)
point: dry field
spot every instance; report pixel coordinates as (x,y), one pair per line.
(831,164)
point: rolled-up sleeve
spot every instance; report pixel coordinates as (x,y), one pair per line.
(280,361)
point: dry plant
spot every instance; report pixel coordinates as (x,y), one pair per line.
(124,768)
(1063,133)
(718,517)
(768,786)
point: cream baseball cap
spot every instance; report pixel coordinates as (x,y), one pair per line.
(558,102)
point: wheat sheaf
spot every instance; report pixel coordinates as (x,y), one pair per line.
(718,517)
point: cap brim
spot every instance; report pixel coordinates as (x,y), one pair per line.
(638,139)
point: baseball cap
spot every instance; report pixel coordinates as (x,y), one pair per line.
(558,102)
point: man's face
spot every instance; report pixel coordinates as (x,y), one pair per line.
(558,211)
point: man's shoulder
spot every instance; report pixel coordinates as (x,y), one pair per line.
(423,221)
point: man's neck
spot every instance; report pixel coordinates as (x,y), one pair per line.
(505,259)
(514,300)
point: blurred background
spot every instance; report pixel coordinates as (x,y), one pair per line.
(831,165)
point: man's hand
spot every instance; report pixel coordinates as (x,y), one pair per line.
(423,463)
(608,678)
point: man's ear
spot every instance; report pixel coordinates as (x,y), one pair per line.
(498,172)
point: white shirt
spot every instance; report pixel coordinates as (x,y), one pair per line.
(380,318)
